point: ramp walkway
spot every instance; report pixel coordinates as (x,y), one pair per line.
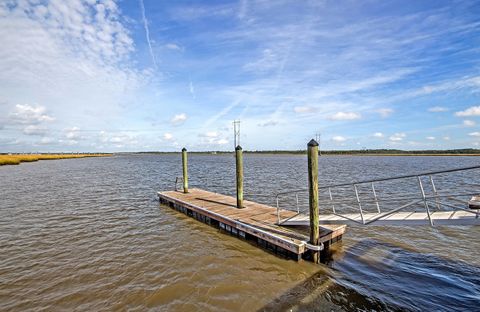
(448,197)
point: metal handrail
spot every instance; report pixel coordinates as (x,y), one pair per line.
(381,179)
(177,179)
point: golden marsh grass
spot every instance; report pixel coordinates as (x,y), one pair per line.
(17,159)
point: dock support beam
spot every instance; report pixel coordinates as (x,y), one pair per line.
(239,166)
(312,152)
(185,170)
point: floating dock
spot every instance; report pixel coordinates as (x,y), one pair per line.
(255,222)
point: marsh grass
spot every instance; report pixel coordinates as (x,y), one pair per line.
(17,159)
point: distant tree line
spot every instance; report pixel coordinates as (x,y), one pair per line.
(463,151)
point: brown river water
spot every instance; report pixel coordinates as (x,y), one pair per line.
(90,235)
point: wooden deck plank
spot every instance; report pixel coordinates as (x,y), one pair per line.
(256,219)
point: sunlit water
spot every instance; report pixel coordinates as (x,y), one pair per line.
(89,234)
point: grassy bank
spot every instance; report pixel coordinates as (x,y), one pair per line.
(19,158)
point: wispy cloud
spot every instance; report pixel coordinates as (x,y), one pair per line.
(437,109)
(147,33)
(471,111)
(339,139)
(173,46)
(178,119)
(469,123)
(35,130)
(221,114)
(385,112)
(307,109)
(74,59)
(268,123)
(30,114)
(345,116)
(398,137)
(191,88)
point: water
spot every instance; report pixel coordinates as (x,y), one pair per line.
(89,234)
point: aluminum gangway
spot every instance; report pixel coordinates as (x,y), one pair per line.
(448,197)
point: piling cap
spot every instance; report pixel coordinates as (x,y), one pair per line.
(312,143)
(238,148)
(184,149)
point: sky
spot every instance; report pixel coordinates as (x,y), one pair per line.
(147,75)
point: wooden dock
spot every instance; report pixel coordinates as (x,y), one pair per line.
(255,222)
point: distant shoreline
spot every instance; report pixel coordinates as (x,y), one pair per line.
(380,152)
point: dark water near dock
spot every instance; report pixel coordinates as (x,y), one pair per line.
(89,234)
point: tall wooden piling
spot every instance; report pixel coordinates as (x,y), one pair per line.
(239,170)
(185,170)
(312,153)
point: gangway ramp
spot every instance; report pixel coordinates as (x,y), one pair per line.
(448,197)
(399,218)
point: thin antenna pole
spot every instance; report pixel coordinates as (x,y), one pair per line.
(318,137)
(236,133)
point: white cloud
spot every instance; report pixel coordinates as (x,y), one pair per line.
(30,115)
(168,136)
(345,116)
(268,123)
(46,141)
(73,133)
(305,109)
(71,56)
(173,46)
(211,138)
(209,134)
(117,140)
(179,119)
(34,130)
(446,138)
(471,111)
(475,134)
(397,137)
(469,123)
(385,112)
(431,138)
(437,109)
(378,135)
(339,138)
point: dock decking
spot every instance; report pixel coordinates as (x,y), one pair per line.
(255,221)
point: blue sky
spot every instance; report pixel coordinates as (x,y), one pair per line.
(160,75)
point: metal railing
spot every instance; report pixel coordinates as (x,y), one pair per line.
(437,199)
(178,179)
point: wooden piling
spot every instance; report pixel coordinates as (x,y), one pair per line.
(239,170)
(312,153)
(185,170)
